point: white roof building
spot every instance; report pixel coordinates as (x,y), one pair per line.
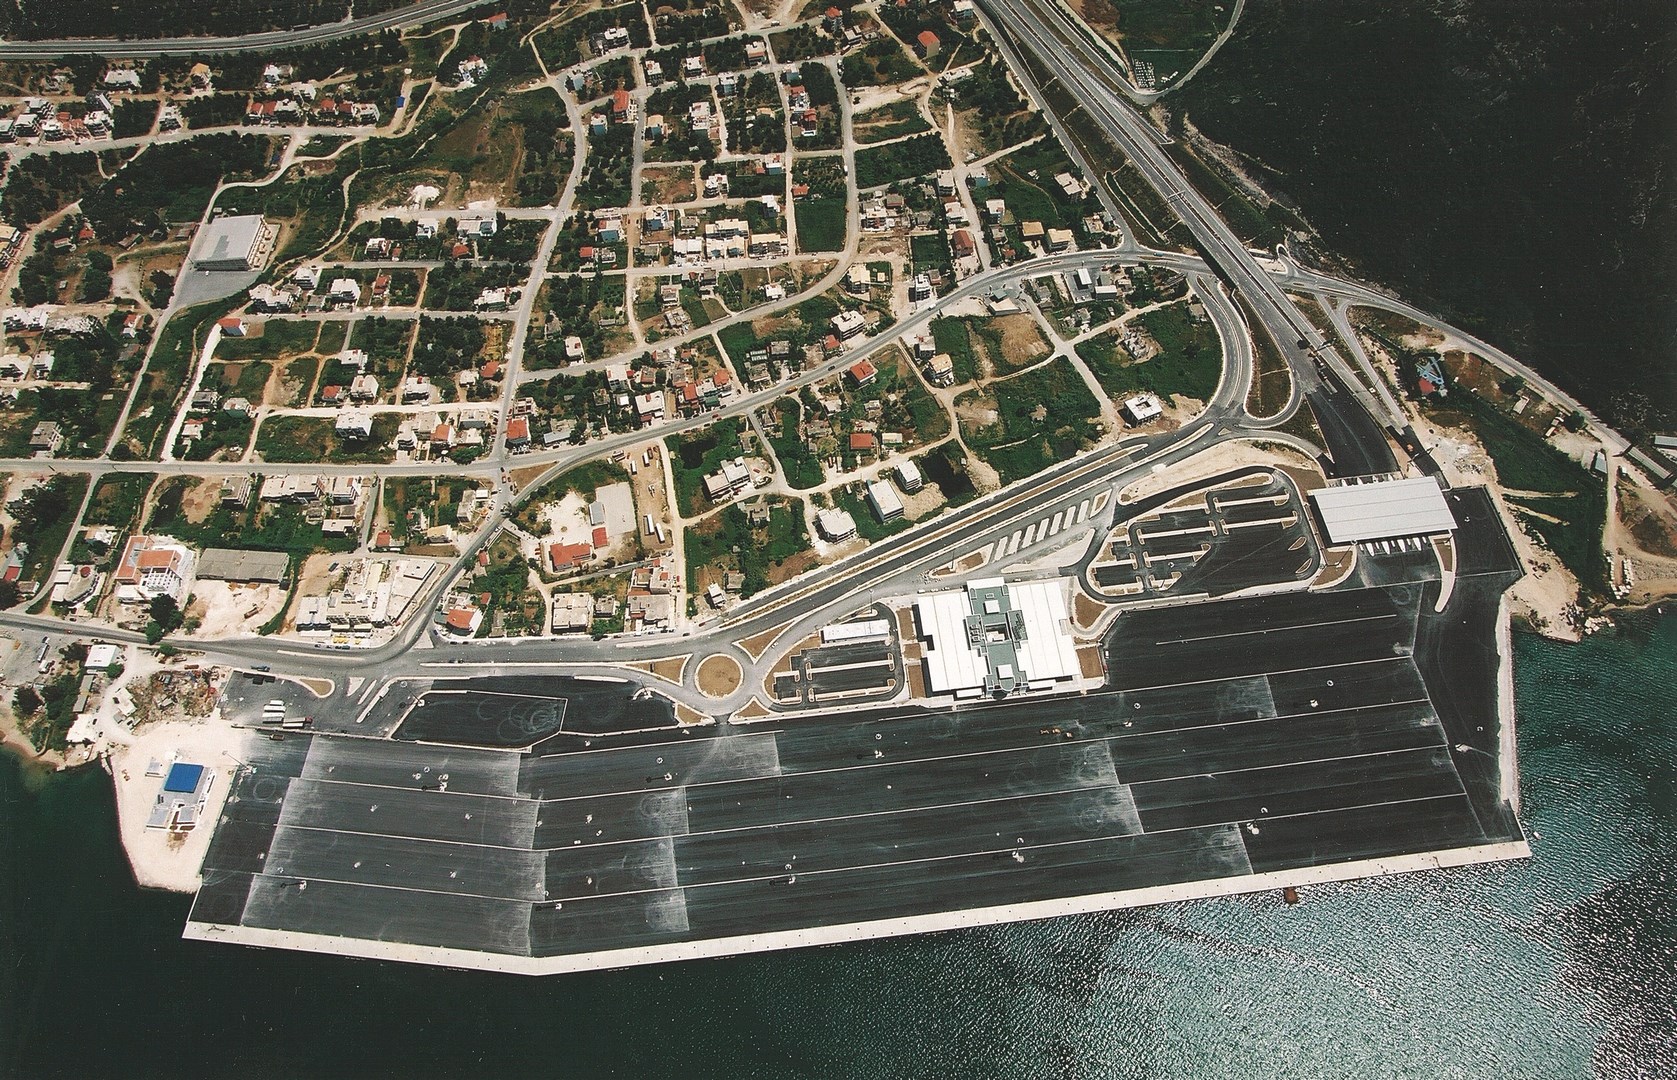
(1142,408)
(1383,510)
(835,525)
(883,498)
(241,242)
(995,638)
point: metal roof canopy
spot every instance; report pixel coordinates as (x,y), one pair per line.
(1383,510)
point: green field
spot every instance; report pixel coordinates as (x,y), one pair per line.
(697,453)
(952,337)
(868,526)
(117,499)
(1043,415)
(295,439)
(892,121)
(1189,363)
(876,165)
(738,340)
(802,469)
(1272,380)
(727,541)
(821,224)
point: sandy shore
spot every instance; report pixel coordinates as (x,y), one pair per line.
(1542,598)
(13,740)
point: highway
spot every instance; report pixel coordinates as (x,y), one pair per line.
(267,41)
(1087,73)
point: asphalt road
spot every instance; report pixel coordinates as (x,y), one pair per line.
(1087,73)
(120,49)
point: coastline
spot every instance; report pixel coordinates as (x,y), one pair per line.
(14,741)
(612,959)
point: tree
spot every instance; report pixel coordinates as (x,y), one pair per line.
(26,701)
(96,282)
(8,594)
(40,506)
(166,617)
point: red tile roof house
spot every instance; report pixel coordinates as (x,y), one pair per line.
(566,556)
(464,621)
(863,372)
(863,440)
(518,431)
(927,43)
(620,104)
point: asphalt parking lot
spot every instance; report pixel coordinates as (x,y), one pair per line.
(1234,737)
(1243,535)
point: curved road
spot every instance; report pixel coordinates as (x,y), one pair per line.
(119,49)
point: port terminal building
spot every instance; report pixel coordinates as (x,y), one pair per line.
(995,639)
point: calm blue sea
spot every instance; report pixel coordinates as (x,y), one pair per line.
(1562,966)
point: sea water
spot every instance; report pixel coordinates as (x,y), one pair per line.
(1564,965)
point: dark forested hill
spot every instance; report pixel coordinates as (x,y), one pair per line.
(171,18)
(1511,166)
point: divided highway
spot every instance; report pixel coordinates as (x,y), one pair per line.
(1042,29)
(120,49)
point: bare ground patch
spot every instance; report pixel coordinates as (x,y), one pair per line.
(719,676)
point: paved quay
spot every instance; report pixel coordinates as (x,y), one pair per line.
(1238,745)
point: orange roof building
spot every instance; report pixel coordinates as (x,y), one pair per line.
(566,556)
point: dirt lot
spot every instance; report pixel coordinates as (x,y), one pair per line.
(674,184)
(1021,344)
(200,500)
(755,645)
(670,668)
(292,384)
(652,494)
(313,578)
(228,608)
(719,676)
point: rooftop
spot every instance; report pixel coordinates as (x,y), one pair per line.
(1383,510)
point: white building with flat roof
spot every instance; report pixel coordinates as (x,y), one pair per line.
(240,243)
(883,498)
(835,525)
(994,638)
(909,477)
(1383,510)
